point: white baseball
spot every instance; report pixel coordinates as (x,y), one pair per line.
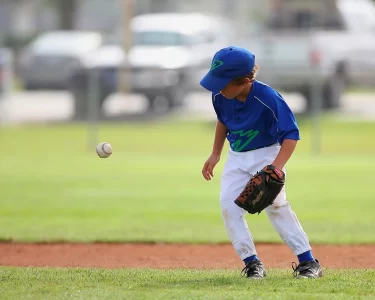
(104,150)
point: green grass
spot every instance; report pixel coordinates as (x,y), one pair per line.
(53,188)
(33,283)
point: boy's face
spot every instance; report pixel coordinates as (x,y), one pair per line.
(232,90)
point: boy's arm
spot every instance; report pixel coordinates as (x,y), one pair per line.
(285,128)
(286,151)
(220,135)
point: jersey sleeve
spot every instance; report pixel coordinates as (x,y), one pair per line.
(286,125)
(217,108)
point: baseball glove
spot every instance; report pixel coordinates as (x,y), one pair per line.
(261,190)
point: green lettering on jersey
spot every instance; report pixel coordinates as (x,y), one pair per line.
(241,143)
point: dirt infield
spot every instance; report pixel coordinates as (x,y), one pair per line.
(167,256)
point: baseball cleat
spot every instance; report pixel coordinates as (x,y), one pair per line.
(254,269)
(307,269)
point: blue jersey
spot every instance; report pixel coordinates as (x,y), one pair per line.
(262,120)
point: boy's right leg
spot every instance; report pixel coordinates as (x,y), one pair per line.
(233,180)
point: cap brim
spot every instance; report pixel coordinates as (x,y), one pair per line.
(214,84)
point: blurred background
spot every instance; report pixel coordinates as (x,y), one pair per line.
(74,73)
(77,59)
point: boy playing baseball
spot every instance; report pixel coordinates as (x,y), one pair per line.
(261,131)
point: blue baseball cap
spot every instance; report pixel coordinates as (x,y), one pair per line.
(227,64)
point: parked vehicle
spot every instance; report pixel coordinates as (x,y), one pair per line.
(169,53)
(49,60)
(333,40)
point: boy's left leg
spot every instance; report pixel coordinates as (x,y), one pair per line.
(287,225)
(285,221)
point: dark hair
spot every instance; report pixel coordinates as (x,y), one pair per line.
(251,76)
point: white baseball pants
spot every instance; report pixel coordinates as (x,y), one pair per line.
(238,169)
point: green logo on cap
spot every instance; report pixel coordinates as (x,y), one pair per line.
(216,63)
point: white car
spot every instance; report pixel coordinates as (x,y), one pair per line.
(330,41)
(170,53)
(49,60)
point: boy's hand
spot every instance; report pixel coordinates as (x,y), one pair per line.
(209,165)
